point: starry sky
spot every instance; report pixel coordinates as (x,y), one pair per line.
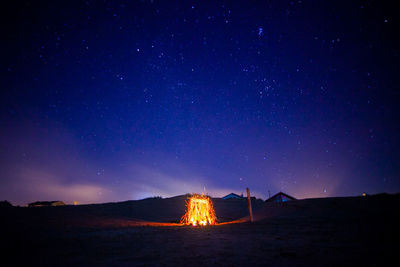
(116,100)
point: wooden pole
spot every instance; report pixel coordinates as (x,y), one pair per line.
(249,204)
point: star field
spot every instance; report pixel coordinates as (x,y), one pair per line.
(116,100)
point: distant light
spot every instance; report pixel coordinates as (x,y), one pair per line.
(76,203)
(364,194)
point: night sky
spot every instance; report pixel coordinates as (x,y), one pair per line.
(116,100)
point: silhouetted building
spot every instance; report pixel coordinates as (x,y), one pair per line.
(233,196)
(280,197)
(5,204)
(46,203)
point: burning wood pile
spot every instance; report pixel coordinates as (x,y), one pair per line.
(200,211)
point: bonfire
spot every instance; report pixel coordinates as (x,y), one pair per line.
(200,211)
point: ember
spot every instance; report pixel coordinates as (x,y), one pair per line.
(200,211)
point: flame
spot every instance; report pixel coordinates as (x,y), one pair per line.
(200,211)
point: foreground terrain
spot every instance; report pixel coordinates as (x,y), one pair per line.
(351,231)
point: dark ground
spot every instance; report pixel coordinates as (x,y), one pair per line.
(353,231)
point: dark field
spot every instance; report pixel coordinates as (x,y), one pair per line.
(353,231)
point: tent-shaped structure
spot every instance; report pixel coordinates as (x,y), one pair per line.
(233,196)
(280,197)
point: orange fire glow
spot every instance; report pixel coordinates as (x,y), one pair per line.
(200,211)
